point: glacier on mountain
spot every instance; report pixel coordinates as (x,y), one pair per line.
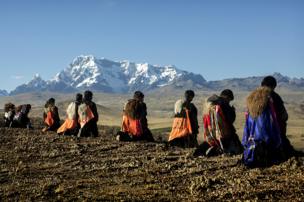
(103,75)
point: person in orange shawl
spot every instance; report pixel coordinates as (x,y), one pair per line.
(135,123)
(88,116)
(185,125)
(71,125)
(51,116)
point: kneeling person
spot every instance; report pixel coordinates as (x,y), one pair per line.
(9,113)
(134,123)
(219,133)
(71,125)
(88,116)
(21,119)
(185,125)
(51,116)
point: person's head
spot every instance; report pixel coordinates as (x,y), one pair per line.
(24,109)
(51,101)
(138,95)
(78,97)
(189,95)
(227,94)
(88,95)
(9,107)
(269,81)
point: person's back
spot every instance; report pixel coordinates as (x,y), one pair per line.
(219,133)
(185,124)
(9,113)
(71,125)
(21,119)
(88,126)
(51,116)
(281,114)
(135,123)
(229,138)
(261,138)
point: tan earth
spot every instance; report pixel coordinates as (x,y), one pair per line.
(47,167)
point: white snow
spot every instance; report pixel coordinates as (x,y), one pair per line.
(86,70)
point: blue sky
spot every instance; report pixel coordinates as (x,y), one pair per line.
(217,38)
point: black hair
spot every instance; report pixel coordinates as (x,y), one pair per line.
(78,97)
(227,93)
(269,81)
(88,95)
(51,100)
(189,93)
(138,95)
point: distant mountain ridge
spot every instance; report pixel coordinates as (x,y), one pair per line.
(103,75)
(250,83)
(3,93)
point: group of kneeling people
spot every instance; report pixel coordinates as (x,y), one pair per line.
(264,139)
(81,116)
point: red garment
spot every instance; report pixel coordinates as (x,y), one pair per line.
(132,126)
(49,119)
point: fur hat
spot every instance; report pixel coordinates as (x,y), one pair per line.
(257,101)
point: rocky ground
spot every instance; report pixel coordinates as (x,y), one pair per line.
(42,167)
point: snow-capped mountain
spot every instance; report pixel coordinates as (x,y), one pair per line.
(36,83)
(103,75)
(3,93)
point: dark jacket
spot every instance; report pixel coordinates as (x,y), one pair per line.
(143,115)
(93,108)
(21,119)
(281,112)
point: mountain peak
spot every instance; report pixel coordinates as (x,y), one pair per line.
(82,60)
(37,76)
(103,75)
(3,93)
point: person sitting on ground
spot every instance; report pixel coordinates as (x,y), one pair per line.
(51,116)
(135,123)
(219,132)
(21,119)
(281,115)
(88,116)
(185,125)
(9,113)
(71,125)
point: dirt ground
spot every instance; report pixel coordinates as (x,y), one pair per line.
(47,167)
